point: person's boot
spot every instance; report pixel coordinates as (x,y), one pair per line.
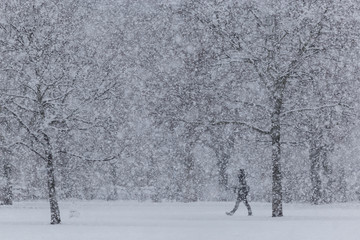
(230,213)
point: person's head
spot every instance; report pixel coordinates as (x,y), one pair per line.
(241,175)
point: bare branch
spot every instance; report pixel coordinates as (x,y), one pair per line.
(18,118)
(107,159)
(18,96)
(314,108)
(32,149)
(225,122)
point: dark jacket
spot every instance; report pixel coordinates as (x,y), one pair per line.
(242,191)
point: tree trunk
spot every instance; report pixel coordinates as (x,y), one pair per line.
(315,166)
(54,207)
(342,185)
(222,148)
(8,200)
(329,191)
(190,188)
(315,175)
(222,164)
(113,175)
(276,160)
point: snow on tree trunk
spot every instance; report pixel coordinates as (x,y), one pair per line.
(276,160)
(54,206)
(314,156)
(222,163)
(190,193)
(8,199)
(50,170)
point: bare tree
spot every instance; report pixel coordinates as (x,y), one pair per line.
(274,43)
(39,67)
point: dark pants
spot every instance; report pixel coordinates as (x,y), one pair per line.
(246,204)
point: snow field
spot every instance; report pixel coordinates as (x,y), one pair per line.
(129,220)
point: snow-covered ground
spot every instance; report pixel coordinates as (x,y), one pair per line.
(100,220)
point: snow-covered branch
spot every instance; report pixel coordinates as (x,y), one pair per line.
(314,108)
(225,122)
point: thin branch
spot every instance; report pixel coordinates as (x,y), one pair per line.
(225,122)
(99,95)
(24,108)
(7,147)
(252,104)
(187,122)
(18,96)
(31,149)
(313,108)
(62,97)
(107,159)
(18,118)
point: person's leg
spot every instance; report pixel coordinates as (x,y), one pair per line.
(248,207)
(235,208)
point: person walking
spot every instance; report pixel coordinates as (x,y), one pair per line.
(242,191)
